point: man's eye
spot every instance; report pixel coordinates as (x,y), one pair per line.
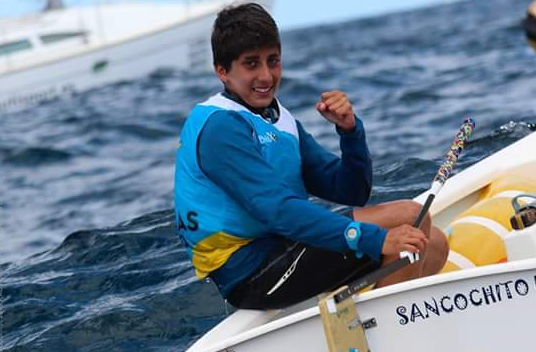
(251,63)
(273,62)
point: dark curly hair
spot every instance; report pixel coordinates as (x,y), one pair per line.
(241,28)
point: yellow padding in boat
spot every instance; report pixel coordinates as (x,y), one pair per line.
(497,209)
(517,182)
(450,266)
(475,237)
(480,244)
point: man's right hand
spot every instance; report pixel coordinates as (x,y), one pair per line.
(404,238)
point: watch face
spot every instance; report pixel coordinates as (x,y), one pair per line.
(351,233)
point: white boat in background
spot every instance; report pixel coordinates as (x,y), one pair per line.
(488,306)
(70,49)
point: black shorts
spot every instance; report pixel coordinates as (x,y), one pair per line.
(294,272)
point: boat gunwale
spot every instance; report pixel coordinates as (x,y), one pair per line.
(481,174)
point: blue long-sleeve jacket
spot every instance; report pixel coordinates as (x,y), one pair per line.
(233,160)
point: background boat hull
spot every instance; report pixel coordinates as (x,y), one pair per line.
(185,46)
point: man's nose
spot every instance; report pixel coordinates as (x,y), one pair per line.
(265,73)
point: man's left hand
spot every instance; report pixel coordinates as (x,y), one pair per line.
(336,108)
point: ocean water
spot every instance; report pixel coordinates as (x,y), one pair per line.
(89,258)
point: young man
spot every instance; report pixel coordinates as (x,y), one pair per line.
(244,171)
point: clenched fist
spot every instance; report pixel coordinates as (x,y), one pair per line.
(404,238)
(336,108)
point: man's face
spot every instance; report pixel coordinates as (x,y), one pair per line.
(254,76)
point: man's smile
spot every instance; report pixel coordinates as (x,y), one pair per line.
(262,90)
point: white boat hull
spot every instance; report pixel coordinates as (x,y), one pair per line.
(485,309)
(184,47)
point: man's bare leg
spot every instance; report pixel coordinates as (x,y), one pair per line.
(393,214)
(436,252)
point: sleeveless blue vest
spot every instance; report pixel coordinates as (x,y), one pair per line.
(212,224)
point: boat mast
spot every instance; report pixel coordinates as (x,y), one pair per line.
(53,5)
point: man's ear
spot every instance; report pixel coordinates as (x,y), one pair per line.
(221,72)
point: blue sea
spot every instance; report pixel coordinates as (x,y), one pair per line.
(89,257)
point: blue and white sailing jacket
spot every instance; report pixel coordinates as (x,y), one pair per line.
(242,183)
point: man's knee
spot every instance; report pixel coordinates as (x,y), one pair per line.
(411,210)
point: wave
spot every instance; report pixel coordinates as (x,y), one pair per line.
(101,288)
(35,156)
